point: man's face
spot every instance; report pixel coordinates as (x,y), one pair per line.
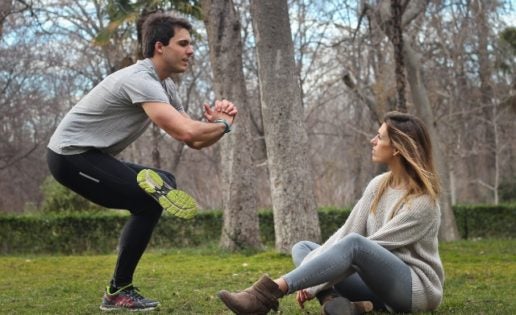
(179,50)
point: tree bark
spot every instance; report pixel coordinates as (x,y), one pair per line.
(5,9)
(293,201)
(487,157)
(241,225)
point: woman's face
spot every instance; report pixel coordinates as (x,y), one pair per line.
(382,151)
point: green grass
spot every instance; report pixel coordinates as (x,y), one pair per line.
(480,279)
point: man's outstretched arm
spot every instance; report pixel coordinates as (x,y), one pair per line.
(181,127)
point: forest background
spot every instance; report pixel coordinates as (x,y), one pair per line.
(52,52)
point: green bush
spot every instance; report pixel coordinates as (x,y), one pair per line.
(64,233)
(507,190)
(98,232)
(486,221)
(330,219)
(57,198)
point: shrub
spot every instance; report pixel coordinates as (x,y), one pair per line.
(486,220)
(57,198)
(98,232)
(507,190)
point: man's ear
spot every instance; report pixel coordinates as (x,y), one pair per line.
(158,47)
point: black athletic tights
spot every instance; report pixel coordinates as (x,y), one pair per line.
(111,183)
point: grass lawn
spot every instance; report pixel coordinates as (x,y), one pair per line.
(480,279)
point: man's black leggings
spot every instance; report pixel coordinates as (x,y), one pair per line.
(111,183)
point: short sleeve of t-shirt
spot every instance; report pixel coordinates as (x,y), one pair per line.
(142,88)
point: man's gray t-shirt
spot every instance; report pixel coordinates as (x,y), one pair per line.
(110,117)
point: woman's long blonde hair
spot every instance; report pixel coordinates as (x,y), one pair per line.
(409,136)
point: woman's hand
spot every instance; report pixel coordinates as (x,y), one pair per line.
(302,296)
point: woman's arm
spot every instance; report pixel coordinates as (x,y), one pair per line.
(357,220)
(410,224)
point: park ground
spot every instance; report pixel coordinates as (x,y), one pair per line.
(480,279)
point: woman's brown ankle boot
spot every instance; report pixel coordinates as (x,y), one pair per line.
(258,299)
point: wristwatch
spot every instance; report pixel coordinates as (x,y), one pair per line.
(226,124)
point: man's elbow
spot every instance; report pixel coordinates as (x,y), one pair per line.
(194,145)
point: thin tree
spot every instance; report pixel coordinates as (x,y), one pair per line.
(448,230)
(397,43)
(381,19)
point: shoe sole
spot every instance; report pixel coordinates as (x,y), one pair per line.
(173,201)
(342,306)
(114,309)
(222,296)
(119,308)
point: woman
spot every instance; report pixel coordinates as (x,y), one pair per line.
(387,250)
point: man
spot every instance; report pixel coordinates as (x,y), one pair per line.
(110,117)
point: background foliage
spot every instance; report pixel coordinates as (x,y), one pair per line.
(52,52)
(97,232)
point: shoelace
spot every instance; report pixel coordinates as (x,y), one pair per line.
(133,292)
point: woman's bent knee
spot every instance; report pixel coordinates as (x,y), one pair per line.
(355,238)
(301,249)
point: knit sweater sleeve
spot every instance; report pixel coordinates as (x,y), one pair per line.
(415,218)
(357,220)
(355,223)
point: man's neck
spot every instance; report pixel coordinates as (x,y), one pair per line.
(160,68)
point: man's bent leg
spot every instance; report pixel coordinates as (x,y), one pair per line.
(106,181)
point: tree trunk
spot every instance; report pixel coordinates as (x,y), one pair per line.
(448,230)
(241,226)
(5,9)
(397,43)
(486,158)
(293,201)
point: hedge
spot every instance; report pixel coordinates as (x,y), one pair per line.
(486,221)
(98,232)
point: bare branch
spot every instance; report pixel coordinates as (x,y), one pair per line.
(19,157)
(350,82)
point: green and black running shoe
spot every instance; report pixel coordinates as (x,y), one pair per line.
(127,298)
(173,201)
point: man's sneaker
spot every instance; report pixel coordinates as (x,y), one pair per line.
(127,298)
(174,201)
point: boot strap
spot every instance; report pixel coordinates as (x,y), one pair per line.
(269,300)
